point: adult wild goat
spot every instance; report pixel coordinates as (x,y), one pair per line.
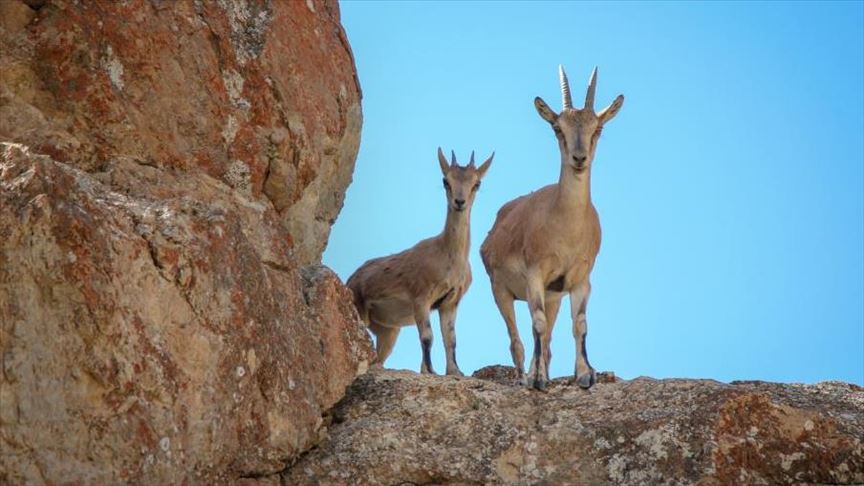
(393,291)
(543,245)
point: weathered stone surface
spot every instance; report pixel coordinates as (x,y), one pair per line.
(157,338)
(260,94)
(168,175)
(507,375)
(398,427)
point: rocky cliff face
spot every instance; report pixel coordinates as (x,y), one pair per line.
(168,175)
(169,171)
(397,427)
(261,95)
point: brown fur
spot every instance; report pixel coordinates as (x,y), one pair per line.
(543,245)
(397,290)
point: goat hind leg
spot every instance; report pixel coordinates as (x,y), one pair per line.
(504,301)
(385,339)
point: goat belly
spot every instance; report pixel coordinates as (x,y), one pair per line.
(394,311)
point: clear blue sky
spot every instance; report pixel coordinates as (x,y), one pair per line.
(730,187)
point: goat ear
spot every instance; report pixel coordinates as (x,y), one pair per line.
(485,166)
(442,161)
(610,111)
(545,112)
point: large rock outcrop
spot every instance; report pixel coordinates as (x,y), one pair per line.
(168,175)
(259,94)
(397,427)
(169,171)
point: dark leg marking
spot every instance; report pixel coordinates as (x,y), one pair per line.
(585,350)
(537,347)
(539,380)
(426,344)
(452,329)
(587,380)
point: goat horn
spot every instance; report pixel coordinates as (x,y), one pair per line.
(592,88)
(453,158)
(565,88)
(471,163)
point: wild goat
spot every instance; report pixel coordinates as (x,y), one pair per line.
(393,291)
(543,245)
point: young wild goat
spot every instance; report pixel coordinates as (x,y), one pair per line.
(394,291)
(542,245)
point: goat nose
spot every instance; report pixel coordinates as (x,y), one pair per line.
(579,160)
(460,202)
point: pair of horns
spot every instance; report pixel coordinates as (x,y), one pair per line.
(565,89)
(453,158)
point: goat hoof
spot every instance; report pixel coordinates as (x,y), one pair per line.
(426,371)
(540,384)
(455,372)
(586,380)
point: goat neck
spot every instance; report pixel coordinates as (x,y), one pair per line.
(457,232)
(574,188)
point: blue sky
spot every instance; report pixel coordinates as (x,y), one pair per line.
(730,187)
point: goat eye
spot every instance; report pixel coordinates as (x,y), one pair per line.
(446,184)
(476,186)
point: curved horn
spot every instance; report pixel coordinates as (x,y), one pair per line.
(565,88)
(453,158)
(471,163)
(592,88)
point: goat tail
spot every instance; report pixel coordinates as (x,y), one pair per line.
(359,301)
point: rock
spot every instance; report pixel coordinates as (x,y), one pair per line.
(506,375)
(168,175)
(158,338)
(260,94)
(14,16)
(151,339)
(397,427)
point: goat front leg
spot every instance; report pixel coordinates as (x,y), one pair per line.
(447,318)
(538,374)
(424,329)
(504,301)
(584,374)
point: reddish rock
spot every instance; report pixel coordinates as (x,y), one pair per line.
(259,94)
(168,175)
(158,339)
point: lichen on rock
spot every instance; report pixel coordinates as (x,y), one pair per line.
(398,427)
(163,317)
(192,86)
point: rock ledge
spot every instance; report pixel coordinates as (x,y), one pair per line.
(398,427)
